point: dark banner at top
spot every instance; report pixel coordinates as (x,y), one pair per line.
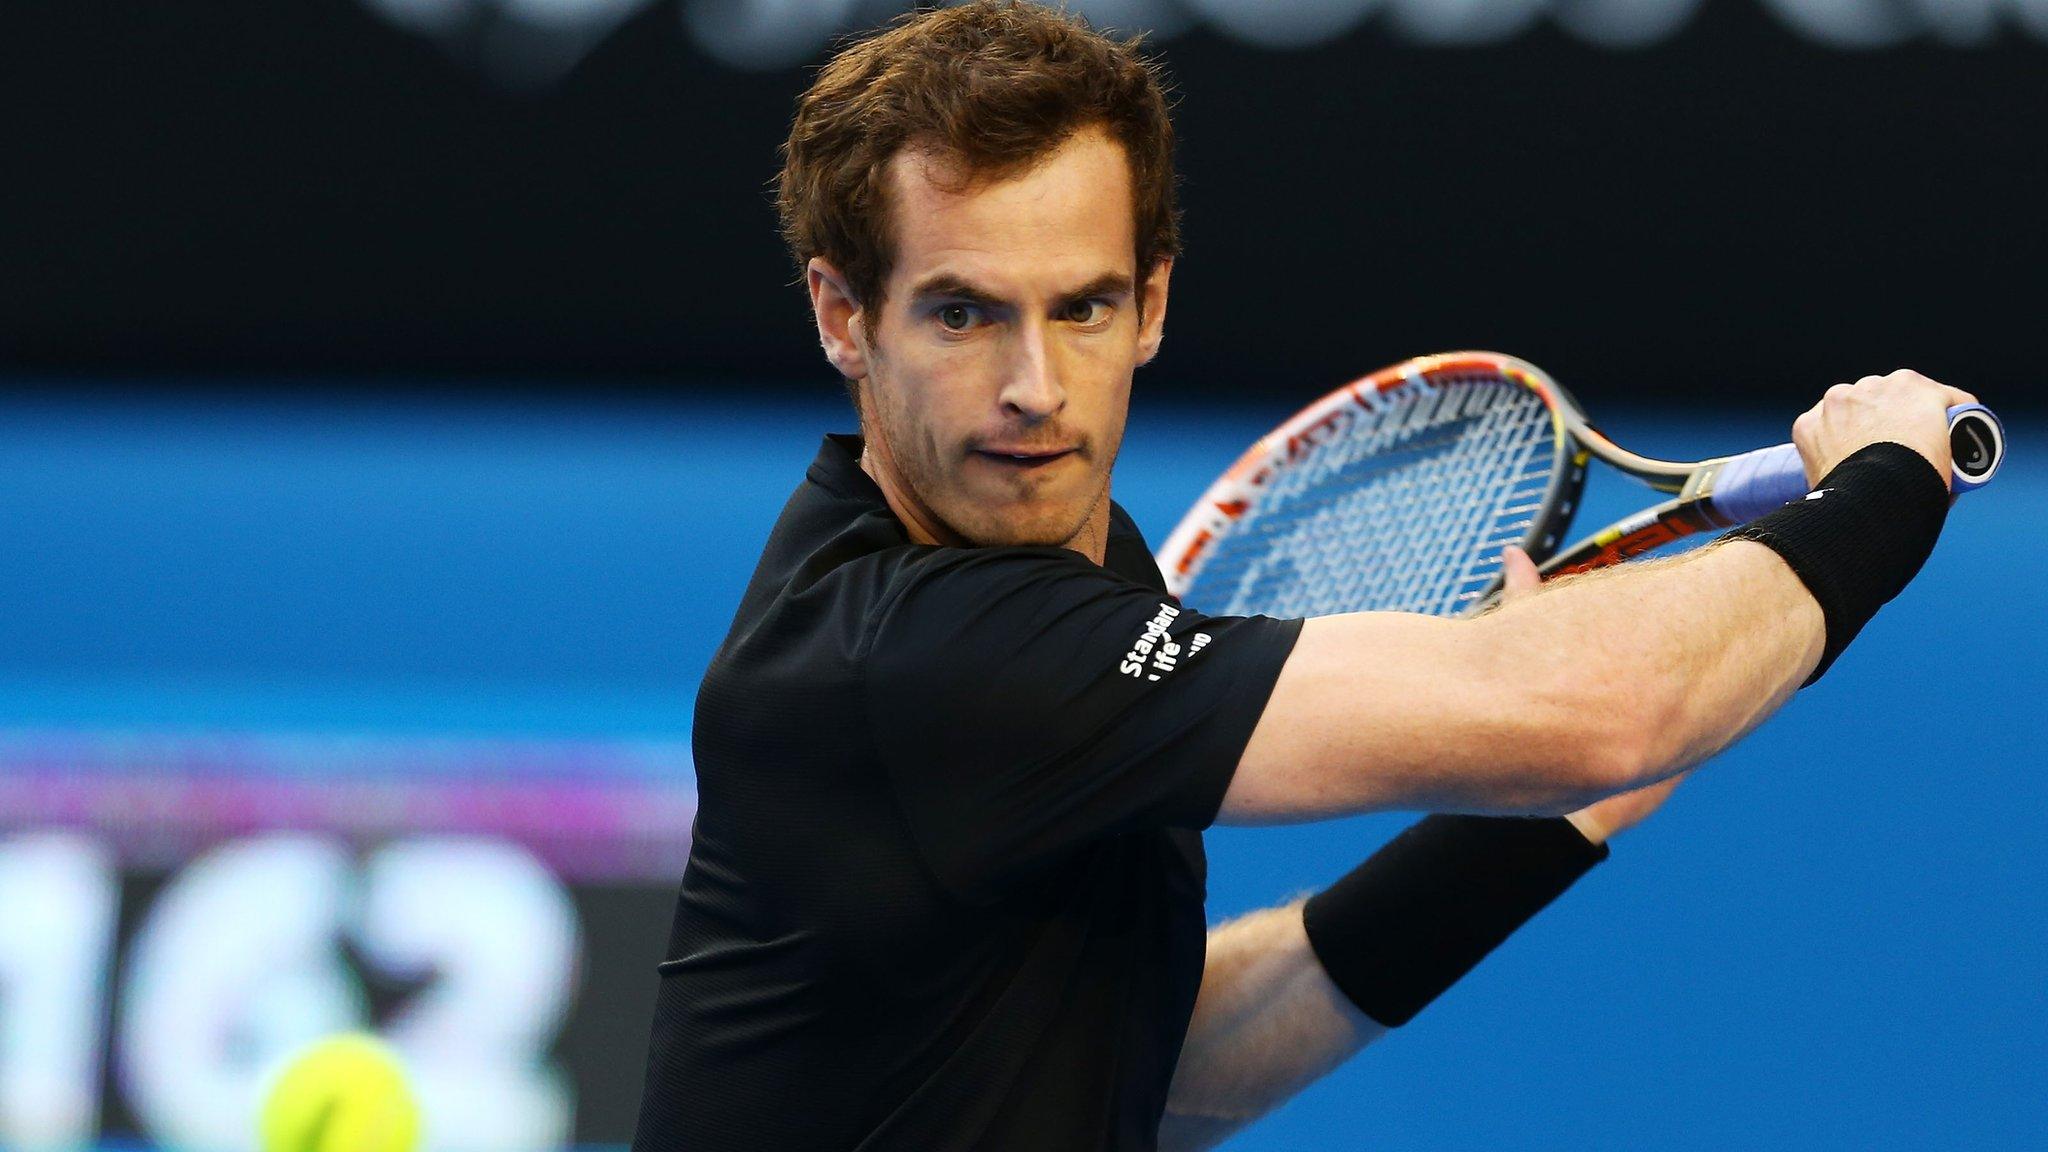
(1652,198)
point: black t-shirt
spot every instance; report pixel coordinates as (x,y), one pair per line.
(946,885)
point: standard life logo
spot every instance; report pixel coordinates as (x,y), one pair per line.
(533,43)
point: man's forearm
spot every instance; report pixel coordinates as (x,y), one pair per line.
(1600,684)
(1289,993)
(1689,654)
(1268,1023)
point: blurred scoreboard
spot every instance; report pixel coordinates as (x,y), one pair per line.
(179,911)
(349,710)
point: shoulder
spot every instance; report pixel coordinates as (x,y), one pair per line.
(1007,632)
(833,557)
(991,590)
(1127,554)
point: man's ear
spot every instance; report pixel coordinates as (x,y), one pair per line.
(841,323)
(1153,293)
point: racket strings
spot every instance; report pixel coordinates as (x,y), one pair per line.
(1472,503)
(1446,538)
(1405,507)
(1521,481)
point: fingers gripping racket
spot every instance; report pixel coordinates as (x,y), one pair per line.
(1397,492)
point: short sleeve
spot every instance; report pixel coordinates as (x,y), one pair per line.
(1026,704)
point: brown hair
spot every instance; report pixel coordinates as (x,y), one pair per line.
(994,86)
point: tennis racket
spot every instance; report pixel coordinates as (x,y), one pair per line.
(1397,492)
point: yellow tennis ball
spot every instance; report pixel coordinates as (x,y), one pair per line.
(346,1093)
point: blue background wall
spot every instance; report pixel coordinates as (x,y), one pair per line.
(1835,936)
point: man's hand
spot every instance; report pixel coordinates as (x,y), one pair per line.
(1597,822)
(1904,407)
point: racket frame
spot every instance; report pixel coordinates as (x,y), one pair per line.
(1238,491)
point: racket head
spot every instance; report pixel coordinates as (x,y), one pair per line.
(1395,492)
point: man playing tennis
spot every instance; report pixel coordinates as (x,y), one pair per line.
(954,757)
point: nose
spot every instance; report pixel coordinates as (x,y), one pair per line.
(1031,387)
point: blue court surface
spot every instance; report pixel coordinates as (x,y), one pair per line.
(1835,936)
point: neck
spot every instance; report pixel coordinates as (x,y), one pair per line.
(918,521)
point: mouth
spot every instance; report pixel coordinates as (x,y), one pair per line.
(1024,459)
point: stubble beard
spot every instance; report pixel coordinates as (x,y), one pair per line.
(982,525)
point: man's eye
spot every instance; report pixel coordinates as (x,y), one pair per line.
(1086,312)
(957,317)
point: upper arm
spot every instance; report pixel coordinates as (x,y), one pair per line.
(1389,710)
(1598,684)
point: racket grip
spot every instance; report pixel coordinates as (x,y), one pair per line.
(1755,483)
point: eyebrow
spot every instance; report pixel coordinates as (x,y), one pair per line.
(955,286)
(1107,284)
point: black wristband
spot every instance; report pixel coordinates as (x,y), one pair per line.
(1422,911)
(1860,539)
